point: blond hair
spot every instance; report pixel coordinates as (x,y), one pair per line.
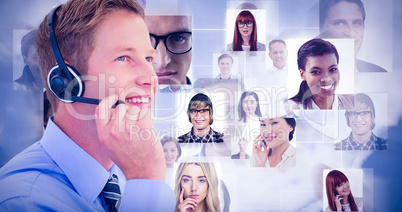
(74,28)
(212,199)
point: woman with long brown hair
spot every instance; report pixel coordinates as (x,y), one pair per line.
(245,34)
(339,195)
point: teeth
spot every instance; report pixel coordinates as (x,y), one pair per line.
(326,87)
(139,100)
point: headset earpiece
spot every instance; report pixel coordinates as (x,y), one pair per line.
(65,83)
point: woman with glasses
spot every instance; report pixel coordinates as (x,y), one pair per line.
(317,61)
(245,34)
(339,195)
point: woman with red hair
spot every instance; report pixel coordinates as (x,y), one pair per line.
(339,195)
(245,34)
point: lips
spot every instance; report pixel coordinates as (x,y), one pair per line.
(270,138)
(194,196)
(169,158)
(140,101)
(165,76)
(326,88)
(199,121)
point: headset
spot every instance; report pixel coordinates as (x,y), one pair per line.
(64,80)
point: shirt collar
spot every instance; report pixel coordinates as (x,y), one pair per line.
(335,104)
(365,145)
(86,174)
(203,139)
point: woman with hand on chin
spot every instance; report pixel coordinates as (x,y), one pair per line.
(196,188)
(339,195)
(272,146)
(245,34)
(317,61)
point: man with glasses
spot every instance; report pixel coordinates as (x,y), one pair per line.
(200,113)
(361,121)
(171,36)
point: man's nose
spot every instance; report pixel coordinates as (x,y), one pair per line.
(162,57)
(349,31)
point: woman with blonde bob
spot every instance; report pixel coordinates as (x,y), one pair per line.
(339,195)
(196,188)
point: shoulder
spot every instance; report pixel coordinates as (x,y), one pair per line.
(235,156)
(229,47)
(218,137)
(359,203)
(340,145)
(261,46)
(363,66)
(31,174)
(184,138)
(380,143)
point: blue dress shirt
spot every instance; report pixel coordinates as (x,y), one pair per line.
(56,174)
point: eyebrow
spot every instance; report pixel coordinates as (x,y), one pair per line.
(129,49)
(191,177)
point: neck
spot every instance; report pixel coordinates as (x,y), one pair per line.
(324,103)
(202,132)
(275,154)
(83,132)
(175,88)
(242,153)
(361,138)
(345,200)
(224,76)
(246,41)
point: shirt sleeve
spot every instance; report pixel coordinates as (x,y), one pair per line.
(147,195)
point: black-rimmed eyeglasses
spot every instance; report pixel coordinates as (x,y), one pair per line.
(362,114)
(248,24)
(201,111)
(176,42)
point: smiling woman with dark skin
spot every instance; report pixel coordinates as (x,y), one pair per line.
(317,61)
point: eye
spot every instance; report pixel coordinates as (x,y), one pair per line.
(185,180)
(263,125)
(149,59)
(122,58)
(338,23)
(164,150)
(333,70)
(274,123)
(201,180)
(315,72)
(358,23)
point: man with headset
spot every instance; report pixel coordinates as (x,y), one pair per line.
(93,157)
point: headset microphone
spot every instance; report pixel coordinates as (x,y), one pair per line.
(64,80)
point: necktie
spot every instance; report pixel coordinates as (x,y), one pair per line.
(111,194)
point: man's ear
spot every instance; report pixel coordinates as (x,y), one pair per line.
(302,74)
